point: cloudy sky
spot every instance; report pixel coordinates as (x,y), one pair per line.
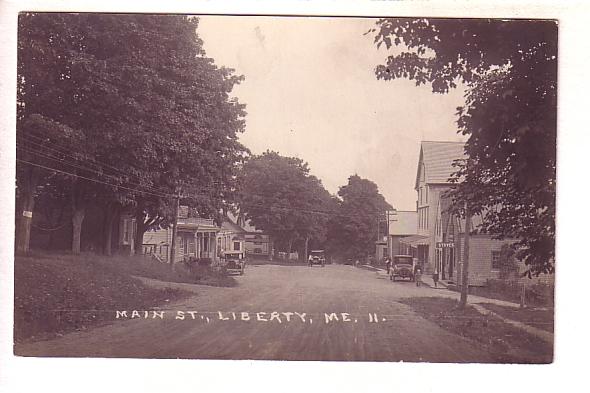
(311,93)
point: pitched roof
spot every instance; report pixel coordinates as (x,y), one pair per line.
(403,223)
(228,225)
(246,225)
(438,158)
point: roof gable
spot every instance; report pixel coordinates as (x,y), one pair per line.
(436,159)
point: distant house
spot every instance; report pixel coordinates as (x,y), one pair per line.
(401,224)
(439,238)
(256,242)
(231,238)
(196,237)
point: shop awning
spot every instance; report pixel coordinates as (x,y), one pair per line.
(415,240)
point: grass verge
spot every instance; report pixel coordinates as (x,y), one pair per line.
(144,266)
(56,294)
(506,343)
(539,318)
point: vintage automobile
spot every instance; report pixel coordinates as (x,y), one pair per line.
(316,257)
(234,262)
(402,266)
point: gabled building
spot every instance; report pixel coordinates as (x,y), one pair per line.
(401,225)
(231,238)
(439,239)
(195,237)
(256,242)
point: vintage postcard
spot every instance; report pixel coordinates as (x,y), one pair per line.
(285,187)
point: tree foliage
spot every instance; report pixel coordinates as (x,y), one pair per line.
(510,70)
(278,195)
(353,229)
(133,102)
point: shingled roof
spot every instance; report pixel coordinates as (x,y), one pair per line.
(438,158)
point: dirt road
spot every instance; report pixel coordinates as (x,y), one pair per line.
(277,312)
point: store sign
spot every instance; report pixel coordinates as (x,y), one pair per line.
(445,245)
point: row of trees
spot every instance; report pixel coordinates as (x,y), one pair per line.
(509,69)
(279,195)
(121,112)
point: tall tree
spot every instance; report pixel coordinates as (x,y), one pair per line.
(155,112)
(355,225)
(510,71)
(279,196)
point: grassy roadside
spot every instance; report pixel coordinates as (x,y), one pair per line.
(539,318)
(56,294)
(143,266)
(506,343)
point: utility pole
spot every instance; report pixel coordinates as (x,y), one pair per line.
(379,227)
(465,269)
(174,230)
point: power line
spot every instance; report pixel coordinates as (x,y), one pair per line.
(76,165)
(118,170)
(193,197)
(93,180)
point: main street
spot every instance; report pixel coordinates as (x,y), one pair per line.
(277,312)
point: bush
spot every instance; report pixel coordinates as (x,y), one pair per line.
(539,294)
(508,262)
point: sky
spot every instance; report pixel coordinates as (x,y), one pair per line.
(311,92)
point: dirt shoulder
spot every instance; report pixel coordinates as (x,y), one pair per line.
(506,343)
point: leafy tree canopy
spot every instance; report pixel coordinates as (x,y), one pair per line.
(130,100)
(354,228)
(279,196)
(510,70)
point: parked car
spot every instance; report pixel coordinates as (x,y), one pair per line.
(234,262)
(316,257)
(402,266)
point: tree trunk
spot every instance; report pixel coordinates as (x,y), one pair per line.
(140,230)
(465,269)
(23,235)
(51,241)
(306,248)
(77,219)
(27,188)
(79,211)
(111,214)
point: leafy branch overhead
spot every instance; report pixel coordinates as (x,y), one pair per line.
(509,70)
(129,106)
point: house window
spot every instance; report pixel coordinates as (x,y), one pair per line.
(236,246)
(496,263)
(258,251)
(426,195)
(420,218)
(127,228)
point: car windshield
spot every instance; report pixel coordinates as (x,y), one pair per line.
(402,260)
(230,255)
(317,254)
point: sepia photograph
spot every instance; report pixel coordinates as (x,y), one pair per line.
(285,187)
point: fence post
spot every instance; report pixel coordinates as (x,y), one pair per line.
(522,295)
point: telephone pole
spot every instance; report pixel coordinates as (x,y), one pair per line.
(174,230)
(465,268)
